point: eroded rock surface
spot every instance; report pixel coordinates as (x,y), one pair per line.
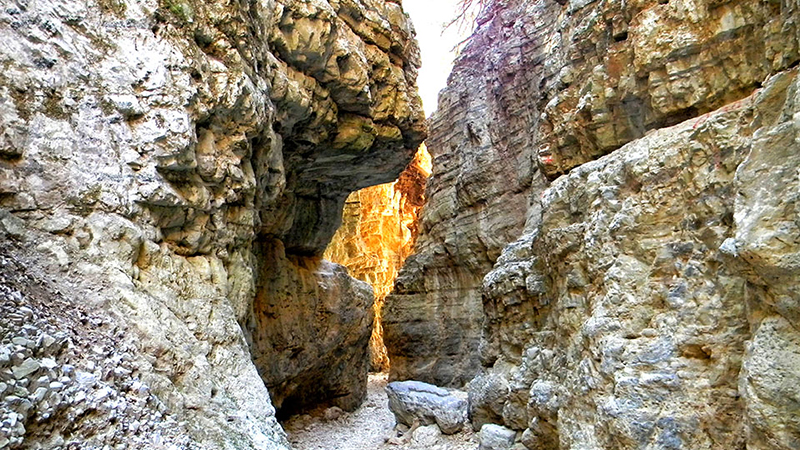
(426,404)
(177,168)
(542,87)
(648,299)
(379,228)
(629,317)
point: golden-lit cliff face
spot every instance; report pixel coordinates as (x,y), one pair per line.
(379,228)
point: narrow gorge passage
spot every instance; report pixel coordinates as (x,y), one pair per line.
(379,227)
(370,427)
(607,258)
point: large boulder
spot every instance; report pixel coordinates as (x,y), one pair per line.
(414,400)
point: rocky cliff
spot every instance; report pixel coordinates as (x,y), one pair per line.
(648,299)
(170,174)
(378,232)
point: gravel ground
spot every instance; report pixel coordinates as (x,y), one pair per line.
(369,428)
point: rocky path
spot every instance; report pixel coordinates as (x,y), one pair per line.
(370,427)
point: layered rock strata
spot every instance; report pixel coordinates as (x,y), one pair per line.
(175,169)
(652,304)
(543,87)
(648,297)
(378,232)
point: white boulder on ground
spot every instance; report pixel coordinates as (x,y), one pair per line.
(496,437)
(410,400)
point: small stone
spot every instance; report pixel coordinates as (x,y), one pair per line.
(333,413)
(11,225)
(39,394)
(27,367)
(48,341)
(56,386)
(17,358)
(102,394)
(120,372)
(79,397)
(85,378)
(21,341)
(496,437)
(426,436)
(5,356)
(49,363)
(3,387)
(649,332)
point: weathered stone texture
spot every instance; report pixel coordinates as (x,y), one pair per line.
(629,317)
(649,297)
(312,326)
(145,147)
(543,87)
(476,201)
(413,401)
(379,228)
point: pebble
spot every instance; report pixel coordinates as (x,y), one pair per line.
(79,397)
(48,340)
(333,413)
(85,378)
(21,341)
(102,394)
(27,367)
(49,363)
(39,394)
(5,356)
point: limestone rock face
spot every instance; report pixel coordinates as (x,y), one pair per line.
(313,324)
(477,199)
(378,232)
(631,316)
(176,168)
(648,299)
(542,87)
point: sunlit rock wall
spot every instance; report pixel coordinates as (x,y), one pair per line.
(653,303)
(378,232)
(170,173)
(648,297)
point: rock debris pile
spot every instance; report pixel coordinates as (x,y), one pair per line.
(67,378)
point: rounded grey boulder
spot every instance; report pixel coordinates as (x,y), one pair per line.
(410,400)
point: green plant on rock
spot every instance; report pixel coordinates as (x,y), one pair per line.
(181,10)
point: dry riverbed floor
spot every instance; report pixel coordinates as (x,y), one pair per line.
(370,427)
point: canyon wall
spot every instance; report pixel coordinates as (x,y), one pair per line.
(378,232)
(649,296)
(170,174)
